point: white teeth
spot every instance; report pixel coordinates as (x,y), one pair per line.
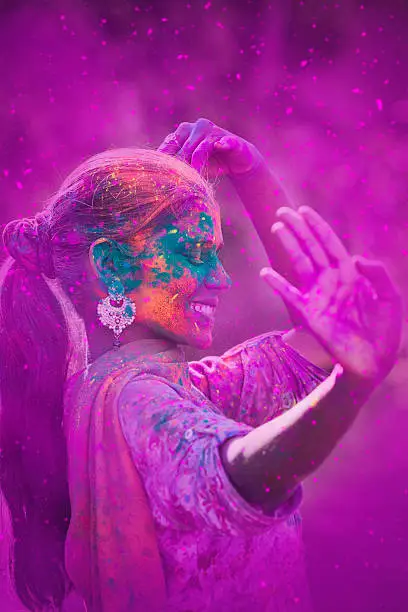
(204,308)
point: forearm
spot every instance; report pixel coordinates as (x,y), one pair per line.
(267,464)
(262,194)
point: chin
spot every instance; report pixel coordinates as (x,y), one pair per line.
(201,341)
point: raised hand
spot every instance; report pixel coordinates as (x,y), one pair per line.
(211,149)
(349,303)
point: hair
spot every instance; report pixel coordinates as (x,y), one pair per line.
(116,194)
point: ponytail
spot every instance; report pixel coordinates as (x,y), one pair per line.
(33,462)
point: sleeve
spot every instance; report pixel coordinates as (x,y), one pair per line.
(175,446)
(257,380)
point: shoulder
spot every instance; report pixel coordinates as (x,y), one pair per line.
(148,403)
(147,390)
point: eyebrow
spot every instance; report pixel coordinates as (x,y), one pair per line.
(204,243)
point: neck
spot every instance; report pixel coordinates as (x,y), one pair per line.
(100,340)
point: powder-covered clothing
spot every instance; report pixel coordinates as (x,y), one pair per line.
(111,548)
(218,552)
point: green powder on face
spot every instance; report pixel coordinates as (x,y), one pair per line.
(183,247)
(177,247)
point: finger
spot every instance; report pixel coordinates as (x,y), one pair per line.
(300,262)
(183,132)
(288,292)
(201,154)
(173,141)
(169,145)
(226,143)
(377,274)
(307,239)
(326,235)
(201,130)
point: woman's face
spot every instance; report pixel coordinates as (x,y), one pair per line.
(182,277)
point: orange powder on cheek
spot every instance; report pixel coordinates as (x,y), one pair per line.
(164,311)
(166,305)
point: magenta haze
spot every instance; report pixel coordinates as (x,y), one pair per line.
(323,94)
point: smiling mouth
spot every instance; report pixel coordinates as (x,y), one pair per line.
(204,309)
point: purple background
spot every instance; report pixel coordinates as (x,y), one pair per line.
(321,88)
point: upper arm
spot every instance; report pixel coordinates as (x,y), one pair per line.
(176,448)
(257,380)
(221,380)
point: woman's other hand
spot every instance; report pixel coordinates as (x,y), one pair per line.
(349,303)
(211,150)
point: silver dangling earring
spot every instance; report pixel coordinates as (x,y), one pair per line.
(116,311)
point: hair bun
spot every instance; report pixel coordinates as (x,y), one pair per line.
(28,242)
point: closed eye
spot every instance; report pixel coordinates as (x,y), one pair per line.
(195,254)
(200,251)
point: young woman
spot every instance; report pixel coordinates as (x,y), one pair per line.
(140,480)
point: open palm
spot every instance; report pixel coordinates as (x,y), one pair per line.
(350,304)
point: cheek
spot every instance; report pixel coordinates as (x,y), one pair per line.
(165,302)
(158,306)
(174,277)
(166,287)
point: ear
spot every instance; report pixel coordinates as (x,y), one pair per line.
(109,262)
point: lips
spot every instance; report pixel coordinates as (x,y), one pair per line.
(206,301)
(203,312)
(203,309)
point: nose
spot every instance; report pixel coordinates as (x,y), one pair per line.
(218,278)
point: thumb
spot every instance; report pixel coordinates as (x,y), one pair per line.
(226,142)
(377,274)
